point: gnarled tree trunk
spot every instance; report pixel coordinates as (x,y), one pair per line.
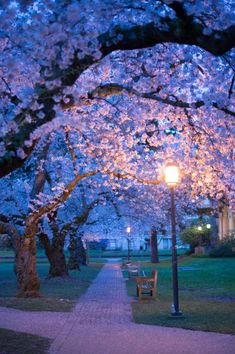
(58,266)
(25,251)
(25,261)
(55,255)
(25,267)
(154,245)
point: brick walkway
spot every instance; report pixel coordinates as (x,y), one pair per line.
(105,304)
(101,324)
(106,301)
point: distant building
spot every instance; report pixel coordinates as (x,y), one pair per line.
(226,222)
(225,219)
(138,242)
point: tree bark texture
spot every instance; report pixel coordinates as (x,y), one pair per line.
(28,283)
(25,251)
(25,267)
(154,245)
(58,266)
(55,254)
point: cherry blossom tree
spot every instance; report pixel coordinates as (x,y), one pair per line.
(24,239)
(131,84)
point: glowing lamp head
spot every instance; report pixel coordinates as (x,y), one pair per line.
(208,226)
(199,228)
(171,174)
(128,229)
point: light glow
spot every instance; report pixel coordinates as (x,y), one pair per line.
(128,229)
(171,174)
(208,226)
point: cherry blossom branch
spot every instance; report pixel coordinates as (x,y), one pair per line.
(80,219)
(120,175)
(34,217)
(116,89)
(71,150)
(182,29)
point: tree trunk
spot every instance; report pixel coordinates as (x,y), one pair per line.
(25,249)
(82,257)
(55,255)
(154,245)
(73,263)
(28,282)
(25,267)
(87,252)
(58,266)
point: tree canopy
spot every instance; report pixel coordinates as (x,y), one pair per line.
(138,82)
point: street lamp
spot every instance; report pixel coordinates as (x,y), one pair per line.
(172,179)
(208,226)
(128,230)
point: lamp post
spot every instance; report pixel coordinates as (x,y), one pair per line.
(128,230)
(172,179)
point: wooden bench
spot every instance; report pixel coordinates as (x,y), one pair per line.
(133,270)
(146,287)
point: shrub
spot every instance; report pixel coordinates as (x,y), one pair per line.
(224,248)
(195,237)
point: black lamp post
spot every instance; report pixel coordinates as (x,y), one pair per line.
(172,179)
(128,230)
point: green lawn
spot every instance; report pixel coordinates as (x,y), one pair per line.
(206,294)
(135,255)
(22,343)
(59,294)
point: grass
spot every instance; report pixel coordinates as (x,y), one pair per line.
(18,343)
(206,294)
(6,253)
(100,253)
(135,255)
(59,294)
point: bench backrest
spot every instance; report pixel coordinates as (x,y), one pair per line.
(154,276)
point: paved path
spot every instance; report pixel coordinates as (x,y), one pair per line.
(101,323)
(43,323)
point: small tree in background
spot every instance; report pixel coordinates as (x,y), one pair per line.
(195,237)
